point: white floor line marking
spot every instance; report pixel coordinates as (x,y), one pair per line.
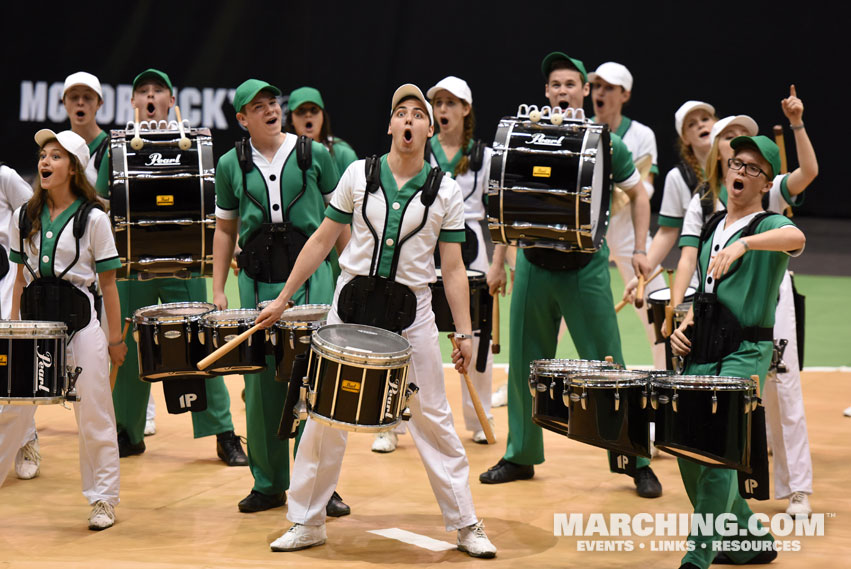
(414,539)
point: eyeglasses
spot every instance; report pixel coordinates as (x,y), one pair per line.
(751,170)
(305,109)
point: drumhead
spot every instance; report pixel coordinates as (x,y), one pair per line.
(366,345)
(471,274)
(608,379)
(231,317)
(172,312)
(305,316)
(560,367)
(32,328)
(663,295)
(703,382)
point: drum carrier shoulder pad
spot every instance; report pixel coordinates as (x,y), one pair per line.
(271,250)
(54,298)
(717,331)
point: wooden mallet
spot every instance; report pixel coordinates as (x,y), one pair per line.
(477,403)
(184,142)
(639,293)
(136,142)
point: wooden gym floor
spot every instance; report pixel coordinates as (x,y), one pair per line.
(178,501)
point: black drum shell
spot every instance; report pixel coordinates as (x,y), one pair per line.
(170,349)
(248,357)
(625,430)
(22,379)
(548,408)
(656,309)
(288,343)
(480,302)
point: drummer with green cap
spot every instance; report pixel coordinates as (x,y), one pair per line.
(271,194)
(153,95)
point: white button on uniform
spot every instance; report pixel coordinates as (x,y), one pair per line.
(49,235)
(389,243)
(45,259)
(396,205)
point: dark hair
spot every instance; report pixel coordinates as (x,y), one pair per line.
(325,135)
(564,64)
(80,187)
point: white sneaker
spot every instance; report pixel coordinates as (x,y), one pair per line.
(474,542)
(102,516)
(479,436)
(385,441)
(847,412)
(799,504)
(28,460)
(499,398)
(654,452)
(300,537)
(150,427)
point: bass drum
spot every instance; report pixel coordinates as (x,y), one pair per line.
(550,185)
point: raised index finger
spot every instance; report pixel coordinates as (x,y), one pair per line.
(792,91)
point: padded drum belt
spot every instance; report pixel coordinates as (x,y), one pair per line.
(271,251)
(553,260)
(377,301)
(717,332)
(51,298)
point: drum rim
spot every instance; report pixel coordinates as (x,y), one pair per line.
(303,324)
(536,367)
(690,292)
(141,319)
(607,378)
(33,328)
(472,274)
(232,322)
(331,351)
(729,383)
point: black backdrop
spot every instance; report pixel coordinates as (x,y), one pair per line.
(741,57)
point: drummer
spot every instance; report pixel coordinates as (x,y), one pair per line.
(262,194)
(152,95)
(48,246)
(739,284)
(82,96)
(403,175)
(549,284)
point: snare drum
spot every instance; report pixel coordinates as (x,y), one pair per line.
(221,326)
(480,302)
(290,335)
(704,418)
(610,409)
(358,378)
(162,202)
(168,339)
(546,382)
(656,303)
(550,185)
(32,362)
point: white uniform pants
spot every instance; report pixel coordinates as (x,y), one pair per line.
(98,443)
(320,452)
(786,423)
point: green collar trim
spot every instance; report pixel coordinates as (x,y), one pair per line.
(443,162)
(54,228)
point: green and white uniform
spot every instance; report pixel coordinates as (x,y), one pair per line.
(274,184)
(749,290)
(343,155)
(540,299)
(98,174)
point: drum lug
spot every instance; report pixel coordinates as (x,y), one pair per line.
(157,334)
(533,383)
(71,393)
(215,334)
(584,400)
(300,409)
(541,387)
(136,335)
(644,399)
(188,331)
(201,334)
(409,392)
(674,400)
(654,400)
(617,400)
(714,402)
(553,390)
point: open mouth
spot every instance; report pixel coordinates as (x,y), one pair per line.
(151,108)
(409,136)
(272,121)
(46,174)
(704,134)
(563,105)
(308,125)
(738,185)
(444,121)
(598,103)
(81,114)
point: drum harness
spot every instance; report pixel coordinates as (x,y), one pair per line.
(717,332)
(4,256)
(271,250)
(54,298)
(381,301)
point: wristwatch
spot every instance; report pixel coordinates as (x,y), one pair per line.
(460,336)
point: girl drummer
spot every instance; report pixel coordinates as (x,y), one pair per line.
(51,249)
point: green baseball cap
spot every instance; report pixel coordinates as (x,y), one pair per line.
(764,145)
(547,63)
(155,75)
(248,90)
(304,95)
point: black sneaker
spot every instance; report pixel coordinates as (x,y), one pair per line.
(646,483)
(258,502)
(507,471)
(336,508)
(760,558)
(229,449)
(126,448)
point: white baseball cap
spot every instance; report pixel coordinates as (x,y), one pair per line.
(82,78)
(69,140)
(685,109)
(454,85)
(613,73)
(744,120)
(411,90)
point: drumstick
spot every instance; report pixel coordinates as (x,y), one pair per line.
(669,321)
(781,144)
(477,403)
(495,325)
(623,303)
(113,373)
(226,348)
(184,143)
(639,292)
(755,379)
(670,274)
(609,359)
(136,142)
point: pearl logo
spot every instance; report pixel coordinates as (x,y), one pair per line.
(45,361)
(156,159)
(541,139)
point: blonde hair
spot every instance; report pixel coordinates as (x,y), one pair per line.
(463,165)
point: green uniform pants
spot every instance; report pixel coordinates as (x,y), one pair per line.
(540,299)
(130,396)
(268,456)
(716,490)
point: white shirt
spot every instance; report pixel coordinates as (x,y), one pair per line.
(676,195)
(474,205)
(14,191)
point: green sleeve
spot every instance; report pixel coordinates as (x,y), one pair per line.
(793,201)
(102,183)
(108,265)
(689,241)
(452,235)
(622,166)
(337,215)
(670,221)
(16,257)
